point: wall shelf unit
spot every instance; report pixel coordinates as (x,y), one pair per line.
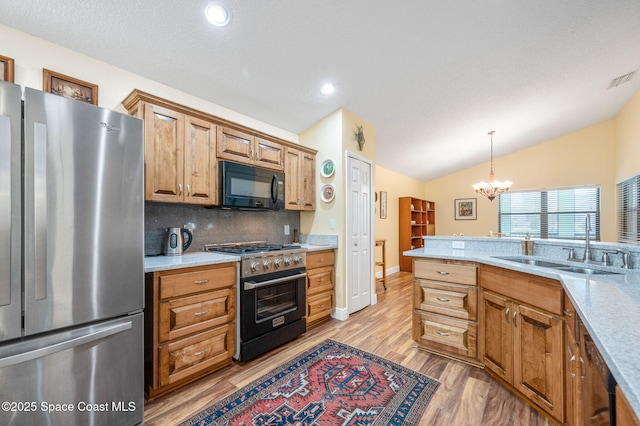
(417,219)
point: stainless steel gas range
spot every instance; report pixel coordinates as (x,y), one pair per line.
(271,295)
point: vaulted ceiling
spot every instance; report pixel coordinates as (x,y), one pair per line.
(433,77)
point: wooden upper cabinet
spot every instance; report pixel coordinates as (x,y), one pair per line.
(269,154)
(183,146)
(300,183)
(200,165)
(179,159)
(241,147)
(164,155)
(235,146)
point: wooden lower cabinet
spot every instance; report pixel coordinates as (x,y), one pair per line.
(445,303)
(625,416)
(572,376)
(522,344)
(189,325)
(320,286)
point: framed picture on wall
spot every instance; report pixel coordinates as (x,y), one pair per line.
(465,208)
(383,205)
(69,87)
(6,69)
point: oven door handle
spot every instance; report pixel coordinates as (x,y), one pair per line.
(251,285)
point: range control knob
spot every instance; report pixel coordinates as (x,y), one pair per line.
(287,261)
(254,266)
(266,264)
(297,259)
(277,262)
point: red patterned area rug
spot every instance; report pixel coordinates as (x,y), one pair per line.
(331,384)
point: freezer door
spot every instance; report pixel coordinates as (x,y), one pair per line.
(86,376)
(10,206)
(83,216)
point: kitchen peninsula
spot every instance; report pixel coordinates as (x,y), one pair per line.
(607,304)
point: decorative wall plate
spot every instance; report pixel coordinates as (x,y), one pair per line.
(327,193)
(328,168)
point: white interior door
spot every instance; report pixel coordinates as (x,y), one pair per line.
(359,229)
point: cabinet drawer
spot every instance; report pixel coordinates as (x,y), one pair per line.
(319,306)
(184,283)
(194,355)
(321,258)
(447,299)
(319,280)
(187,315)
(449,272)
(444,333)
(536,291)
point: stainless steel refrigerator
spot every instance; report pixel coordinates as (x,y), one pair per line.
(71,262)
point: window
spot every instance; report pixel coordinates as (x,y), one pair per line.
(558,213)
(628,207)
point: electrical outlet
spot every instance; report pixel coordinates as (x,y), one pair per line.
(457,244)
(332,224)
(286,230)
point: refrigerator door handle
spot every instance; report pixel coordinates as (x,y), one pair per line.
(67,344)
(5,211)
(40,209)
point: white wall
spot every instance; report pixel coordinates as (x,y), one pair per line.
(32,54)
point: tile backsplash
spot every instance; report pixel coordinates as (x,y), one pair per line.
(215,225)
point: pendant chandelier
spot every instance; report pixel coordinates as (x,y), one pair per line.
(494,187)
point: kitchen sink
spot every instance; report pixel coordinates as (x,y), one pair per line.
(580,270)
(557,266)
(532,262)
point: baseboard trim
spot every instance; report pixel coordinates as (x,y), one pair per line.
(389,271)
(340,314)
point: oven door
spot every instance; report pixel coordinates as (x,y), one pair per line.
(271,301)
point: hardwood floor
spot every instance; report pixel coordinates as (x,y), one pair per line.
(466,396)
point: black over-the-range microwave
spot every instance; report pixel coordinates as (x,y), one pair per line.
(250,187)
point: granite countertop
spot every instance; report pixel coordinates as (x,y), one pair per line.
(187,260)
(609,306)
(201,258)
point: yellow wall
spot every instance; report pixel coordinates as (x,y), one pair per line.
(627,128)
(32,54)
(585,157)
(396,186)
(333,137)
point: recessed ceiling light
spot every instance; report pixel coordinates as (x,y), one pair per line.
(217,14)
(328,88)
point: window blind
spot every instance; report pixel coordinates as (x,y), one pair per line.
(628,210)
(557,213)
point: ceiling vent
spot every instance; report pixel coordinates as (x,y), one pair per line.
(622,79)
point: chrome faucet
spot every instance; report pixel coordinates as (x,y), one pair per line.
(587,245)
(626,256)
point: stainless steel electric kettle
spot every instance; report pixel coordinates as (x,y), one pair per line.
(175,244)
